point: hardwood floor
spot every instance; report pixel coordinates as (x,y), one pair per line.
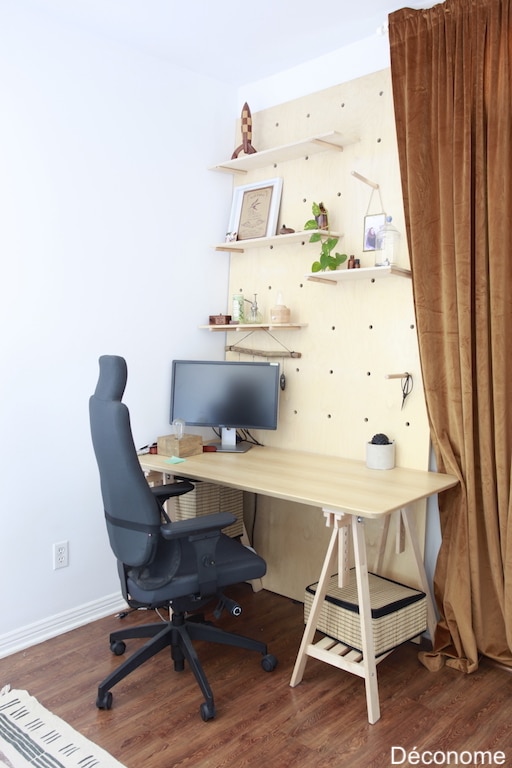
(260,720)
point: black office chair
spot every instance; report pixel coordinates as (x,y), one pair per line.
(178,565)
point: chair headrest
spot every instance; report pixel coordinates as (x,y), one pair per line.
(112,379)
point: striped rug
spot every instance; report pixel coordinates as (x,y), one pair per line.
(31,737)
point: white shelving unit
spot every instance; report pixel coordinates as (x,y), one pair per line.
(325,142)
(239,246)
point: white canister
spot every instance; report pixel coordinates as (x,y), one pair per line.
(380,456)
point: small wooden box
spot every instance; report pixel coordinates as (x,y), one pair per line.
(399,613)
(189,445)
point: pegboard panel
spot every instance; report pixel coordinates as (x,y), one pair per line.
(337,395)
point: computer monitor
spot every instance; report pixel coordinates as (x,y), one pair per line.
(225,395)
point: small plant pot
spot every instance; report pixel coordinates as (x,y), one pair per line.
(380,456)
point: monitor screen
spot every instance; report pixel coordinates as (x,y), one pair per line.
(225,395)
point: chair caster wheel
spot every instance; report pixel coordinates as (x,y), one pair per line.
(104,700)
(269,662)
(118,647)
(207,711)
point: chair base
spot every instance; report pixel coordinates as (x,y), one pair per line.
(176,634)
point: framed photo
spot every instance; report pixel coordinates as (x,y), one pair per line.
(255,210)
(372,231)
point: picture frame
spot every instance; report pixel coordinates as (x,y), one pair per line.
(255,210)
(372,225)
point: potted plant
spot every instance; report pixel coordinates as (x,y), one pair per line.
(380,452)
(320,221)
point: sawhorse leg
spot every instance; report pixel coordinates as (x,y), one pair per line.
(365,615)
(410,527)
(337,548)
(316,607)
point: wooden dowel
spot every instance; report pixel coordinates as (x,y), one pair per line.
(261,352)
(365,180)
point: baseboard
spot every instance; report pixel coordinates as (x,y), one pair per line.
(35,633)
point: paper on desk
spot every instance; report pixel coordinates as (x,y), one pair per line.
(174,460)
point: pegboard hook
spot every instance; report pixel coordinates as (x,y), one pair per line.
(407,383)
(365,180)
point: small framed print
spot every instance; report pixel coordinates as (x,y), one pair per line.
(255,210)
(372,231)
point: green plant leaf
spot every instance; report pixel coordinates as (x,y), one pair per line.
(316,209)
(325,250)
(316,266)
(315,237)
(311,224)
(324,260)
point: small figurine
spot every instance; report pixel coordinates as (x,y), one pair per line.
(246,145)
(286,230)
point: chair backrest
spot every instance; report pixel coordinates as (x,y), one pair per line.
(132,513)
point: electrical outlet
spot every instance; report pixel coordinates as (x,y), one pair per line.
(60,555)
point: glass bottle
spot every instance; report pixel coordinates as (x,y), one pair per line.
(388,243)
(254,314)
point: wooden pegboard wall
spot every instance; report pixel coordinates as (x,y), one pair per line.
(337,395)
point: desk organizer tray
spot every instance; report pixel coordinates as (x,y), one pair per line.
(207,498)
(399,613)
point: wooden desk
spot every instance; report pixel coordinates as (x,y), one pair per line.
(347,492)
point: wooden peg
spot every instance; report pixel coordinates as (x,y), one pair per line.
(372,184)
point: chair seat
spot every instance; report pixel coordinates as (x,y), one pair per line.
(235,563)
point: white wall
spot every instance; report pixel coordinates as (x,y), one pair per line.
(107,215)
(347,63)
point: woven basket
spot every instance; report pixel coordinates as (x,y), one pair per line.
(399,613)
(207,498)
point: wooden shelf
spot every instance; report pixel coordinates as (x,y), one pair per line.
(255,327)
(240,246)
(333,141)
(368,273)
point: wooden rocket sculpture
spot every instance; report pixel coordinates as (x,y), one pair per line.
(246,126)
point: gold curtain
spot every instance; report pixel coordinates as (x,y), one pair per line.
(451,68)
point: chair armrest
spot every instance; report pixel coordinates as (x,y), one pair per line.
(197,526)
(167,491)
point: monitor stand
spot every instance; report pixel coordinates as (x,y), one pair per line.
(228,443)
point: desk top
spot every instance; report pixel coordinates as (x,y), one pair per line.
(331,482)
